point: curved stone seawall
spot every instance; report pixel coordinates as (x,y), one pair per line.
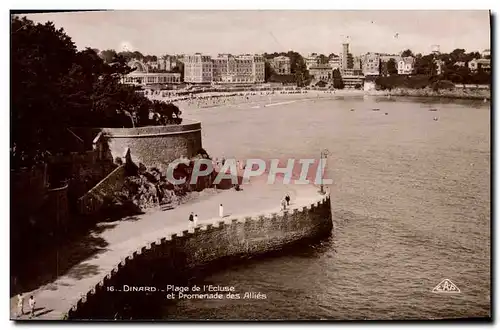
(150,144)
(233,237)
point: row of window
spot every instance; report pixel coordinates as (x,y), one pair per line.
(151,80)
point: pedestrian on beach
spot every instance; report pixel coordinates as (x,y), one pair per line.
(32,304)
(221,211)
(283,204)
(195,220)
(287,198)
(20,305)
(191,220)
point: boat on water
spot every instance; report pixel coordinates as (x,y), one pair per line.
(375,109)
(433,109)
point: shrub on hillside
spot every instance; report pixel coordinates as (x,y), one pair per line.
(403,81)
(442,84)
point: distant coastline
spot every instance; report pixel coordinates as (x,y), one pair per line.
(456,93)
(212,99)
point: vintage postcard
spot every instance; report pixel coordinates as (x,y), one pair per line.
(250,165)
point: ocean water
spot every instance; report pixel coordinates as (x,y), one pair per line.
(410,205)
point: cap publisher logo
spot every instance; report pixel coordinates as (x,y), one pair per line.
(446,286)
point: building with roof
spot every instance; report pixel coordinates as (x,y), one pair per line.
(486,53)
(384,60)
(357,63)
(167,63)
(198,68)
(346,58)
(439,66)
(371,64)
(483,63)
(241,69)
(281,65)
(142,76)
(311,60)
(321,72)
(406,65)
(435,49)
(353,80)
(335,62)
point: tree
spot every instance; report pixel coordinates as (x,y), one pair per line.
(137,55)
(323,59)
(425,65)
(128,56)
(56,87)
(298,68)
(179,68)
(337,79)
(150,58)
(481,77)
(108,55)
(332,55)
(168,113)
(457,55)
(41,56)
(407,53)
(463,74)
(268,71)
(392,67)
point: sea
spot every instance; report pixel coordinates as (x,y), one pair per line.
(410,198)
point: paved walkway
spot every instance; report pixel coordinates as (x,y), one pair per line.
(124,237)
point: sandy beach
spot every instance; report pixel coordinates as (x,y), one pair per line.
(253,98)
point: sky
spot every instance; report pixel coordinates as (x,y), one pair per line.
(255,32)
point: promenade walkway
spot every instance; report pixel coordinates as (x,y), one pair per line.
(126,236)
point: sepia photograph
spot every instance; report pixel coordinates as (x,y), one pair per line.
(250,165)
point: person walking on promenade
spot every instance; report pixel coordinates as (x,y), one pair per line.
(221,211)
(20,305)
(32,304)
(195,222)
(191,220)
(287,198)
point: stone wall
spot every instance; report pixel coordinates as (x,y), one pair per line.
(82,170)
(28,187)
(155,146)
(56,209)
(36,209)
(234,237)
(94,199)
(89,156)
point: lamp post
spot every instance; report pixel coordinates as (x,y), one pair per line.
(323,154)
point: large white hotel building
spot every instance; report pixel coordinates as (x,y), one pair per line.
(225,68)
